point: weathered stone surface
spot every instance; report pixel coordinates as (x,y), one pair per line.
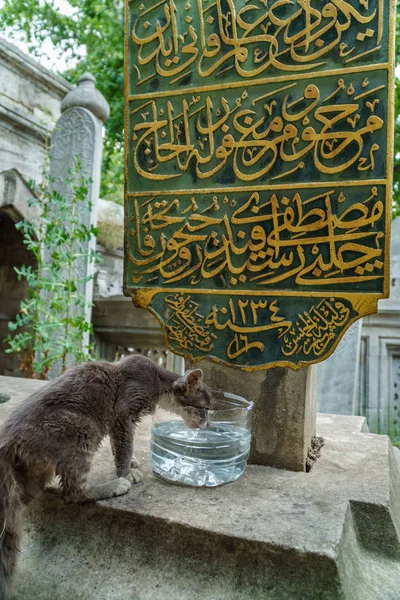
(378,394)
(30,98)
(16,197)
(284,410)
(338,375)
(331,534)
(18,390)
(77,138)
(87,96)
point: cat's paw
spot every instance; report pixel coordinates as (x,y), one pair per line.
(122,487)
(134,462)
(134,476)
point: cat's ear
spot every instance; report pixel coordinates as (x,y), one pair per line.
(189,379)
(194,376)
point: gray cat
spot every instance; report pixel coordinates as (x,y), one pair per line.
(59,428)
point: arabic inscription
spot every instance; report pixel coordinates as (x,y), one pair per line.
(258,156)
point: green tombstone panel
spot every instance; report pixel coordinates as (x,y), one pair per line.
(258,149)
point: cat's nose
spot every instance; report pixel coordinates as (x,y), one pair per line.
(205,423)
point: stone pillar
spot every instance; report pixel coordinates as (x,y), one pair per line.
(78,135)
(285,404)
(175,363)
(338,375)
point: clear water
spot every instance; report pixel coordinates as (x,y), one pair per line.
(199,457)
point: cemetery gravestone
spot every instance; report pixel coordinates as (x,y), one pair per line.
(78,137)
(258,174)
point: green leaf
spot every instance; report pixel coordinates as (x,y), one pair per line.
(48,324)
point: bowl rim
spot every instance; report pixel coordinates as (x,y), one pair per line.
(245,404)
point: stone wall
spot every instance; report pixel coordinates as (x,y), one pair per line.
(30,97)
(30,105)
(362,377)
(379,375)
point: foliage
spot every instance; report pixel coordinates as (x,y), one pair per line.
(51,324)
(93,33)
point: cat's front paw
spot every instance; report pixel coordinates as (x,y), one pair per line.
(134,476)
(122,487)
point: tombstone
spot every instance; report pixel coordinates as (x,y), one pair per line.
(78,137)
(258,193)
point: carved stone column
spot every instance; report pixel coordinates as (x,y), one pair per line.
(78,137)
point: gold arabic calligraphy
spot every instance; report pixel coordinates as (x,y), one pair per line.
(316,329)
(185,325)
(235,38)
(276,132)
(269,238)
(245,323)
(258,146)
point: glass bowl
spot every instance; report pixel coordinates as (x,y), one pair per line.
(210,456)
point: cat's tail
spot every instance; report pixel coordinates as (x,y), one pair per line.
(10,517)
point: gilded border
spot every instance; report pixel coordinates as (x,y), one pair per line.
(390,141)
(368,307)
(142,297)
(263,81)
(257,188)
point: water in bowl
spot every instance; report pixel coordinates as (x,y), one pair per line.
(199,457)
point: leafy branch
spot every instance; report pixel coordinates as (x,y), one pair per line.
(51,325)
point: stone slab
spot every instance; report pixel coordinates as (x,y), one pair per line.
(332,533)
(338,375)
